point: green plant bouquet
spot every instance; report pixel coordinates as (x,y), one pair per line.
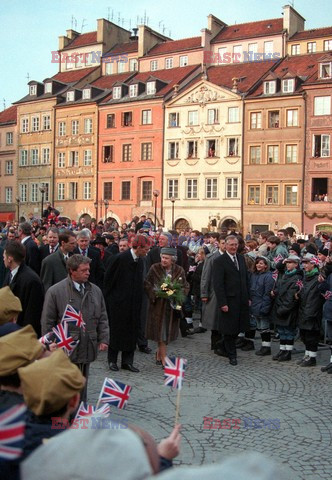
(171,290)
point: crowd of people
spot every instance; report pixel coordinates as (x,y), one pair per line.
(136,283)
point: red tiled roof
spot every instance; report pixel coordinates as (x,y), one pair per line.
(314,33)
(249,30)
(82,40)
(175,46)
(74,75)
(107,81)
(128,47)
(9,115)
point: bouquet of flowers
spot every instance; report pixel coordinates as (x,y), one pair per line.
(172,291)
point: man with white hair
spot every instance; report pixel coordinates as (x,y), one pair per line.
(97,269)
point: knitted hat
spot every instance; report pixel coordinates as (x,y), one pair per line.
(10,305)
(323,251)
(296,247)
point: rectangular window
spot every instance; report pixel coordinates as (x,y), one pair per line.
(221,54)
(292,118)
(74,127)
(70,96)
(73,190)
(325,70)
(151,88)
(73,159)
(153,65)
(61,159)
(121,67)
(327,45)
(23,189)
(86,190)
(86,94)
(127,119)
(233,114)
(24,125)
(109,68)
(193,117)
(173,150)
(318,189)
(291,153)
(46,156)
(212,148)
(108,190)
(9,138)
(212,116)
(169,62)
(146,190)
(173,188)
(33,192)
(237,53)
(9,194)
(110,120)
(88,59)
(288,85)
(322,106)
(125,191)
(270,87)
(252,48)
(35,124)
(47,191)
(146,151)
(126,152)
(191,188)
(255,155)
(321,146)
(173,119)
(46,122)
(146,117)
(87,158)
(192,149)
(33,90)
(183,60)
(232,187)
(291,195)
(311,47)
(23,158)
(255,120)
(88,125)
(268,48)
(61,191)
(211,188)
(254,195)
(69,63)
(48,87)
(108,154)
(295,49)
(232,147)
(116,93)
(133,65)
(133,90)
(273,119)
(34,160)
(61,129)
(273,154)
(9,167)
(272,195)
(79,61)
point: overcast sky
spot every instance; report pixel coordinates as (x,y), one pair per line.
(29,29)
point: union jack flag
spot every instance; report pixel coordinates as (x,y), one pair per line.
(47,339)
(85,410)
(174,371)
(278,258)
(63,340)
(73,315)
(115,393)
(299,284)
(315,261)
(192,268)
(275,275)
(12,427)
(327,294)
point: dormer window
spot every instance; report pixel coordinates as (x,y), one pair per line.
(33,90)
(48,87)
(133,89)
(116,93)
(270,87)
(70,96)
(288,85)
(86,93)
(151,88)
(325,70)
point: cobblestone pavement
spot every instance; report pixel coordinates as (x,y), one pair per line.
(257,388)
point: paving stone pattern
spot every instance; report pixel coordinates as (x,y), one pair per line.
(257,388)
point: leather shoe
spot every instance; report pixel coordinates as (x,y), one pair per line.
(220,352)
(145,349)
(114,367)
(232,361)
(130,367)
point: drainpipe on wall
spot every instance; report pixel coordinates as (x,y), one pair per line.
(242,163)
(53,154)
(304,158)
(162,169)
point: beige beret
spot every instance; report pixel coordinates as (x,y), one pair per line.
(50,383)
(18,349)
(9,305)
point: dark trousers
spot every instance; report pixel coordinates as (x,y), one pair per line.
(229,344)
(310,338)
(84,368)
(126,358)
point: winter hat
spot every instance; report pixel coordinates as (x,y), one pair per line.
(296,247)
(10,305)
(293,259)
(308,257)
(323,251)
(311,249)
(168,251)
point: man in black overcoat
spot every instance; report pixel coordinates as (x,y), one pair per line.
(231,286)
(123,296)
(32,254)
(25,284)
(97,269)
(52,243)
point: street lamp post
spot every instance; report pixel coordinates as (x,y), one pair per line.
(172,199)
(156,195)
(106,203)
(18,208)
(96,208)
(42,190)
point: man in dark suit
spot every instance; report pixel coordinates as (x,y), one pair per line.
(52,243)
(165,240)
(53,268)
(25,284)
(231,286)
(100,244)
(32,254)
(111,246)
(123,296)
(97,269)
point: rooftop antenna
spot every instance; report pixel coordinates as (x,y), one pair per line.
(28,77)
(83,24)
(122,21)
(164,28)
(144,17)
(169,33)
(119,17)
(108,13)
(73,22)
(4,104)
(147,20)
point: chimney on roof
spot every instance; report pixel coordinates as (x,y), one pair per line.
(215,25)
(204,73)
(134,36)
(64,40)
(206,36)
(235,81)
(293,22)
(176,90)
(148,38)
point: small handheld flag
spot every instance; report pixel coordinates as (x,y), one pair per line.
(174,371)
(114,393)
(327,294)
(86,410)
(12,427)
(299,284)
(71,315)
(63,339)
